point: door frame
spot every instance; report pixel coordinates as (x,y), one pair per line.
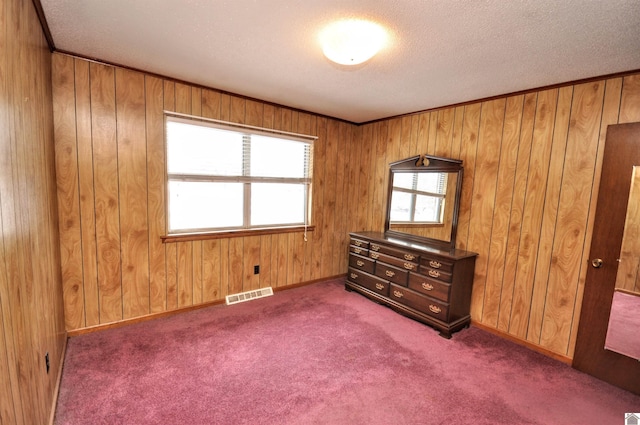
(621,152)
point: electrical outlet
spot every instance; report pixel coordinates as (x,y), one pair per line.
(256,269)
(46,361)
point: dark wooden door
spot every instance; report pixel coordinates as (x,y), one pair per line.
(621,153)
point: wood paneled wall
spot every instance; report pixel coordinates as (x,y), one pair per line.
(31,310)
(110,155)
(532,166)
(532,169)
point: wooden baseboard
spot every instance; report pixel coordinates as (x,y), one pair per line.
(528,344)
(153,316)
(56,390)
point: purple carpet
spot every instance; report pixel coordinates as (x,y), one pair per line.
(320,355)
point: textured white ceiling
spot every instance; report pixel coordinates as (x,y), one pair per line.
(442,52)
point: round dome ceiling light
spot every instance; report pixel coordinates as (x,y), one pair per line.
(352,41)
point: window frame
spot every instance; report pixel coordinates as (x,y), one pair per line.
(246,180)
(415,192)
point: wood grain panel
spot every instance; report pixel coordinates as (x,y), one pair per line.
(470,126)
(211,266)
(484,193)
(105,166)
(154,104)
(266,268)
(573,208)
(68,196)
(532,212)
(132,183)
(198,264)
(317,205)
(236,246)
(31,298)
(210,104)
(185,273)
(502,210)
(517,208)
(630,101)
(86,192)
(171,250)
(549,215)
(250,257)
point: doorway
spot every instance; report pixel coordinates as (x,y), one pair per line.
(611,265)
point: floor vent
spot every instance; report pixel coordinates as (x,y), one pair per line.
(249,295)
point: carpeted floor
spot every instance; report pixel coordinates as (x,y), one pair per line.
(320,355)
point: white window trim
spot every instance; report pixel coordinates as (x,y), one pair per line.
(252,130)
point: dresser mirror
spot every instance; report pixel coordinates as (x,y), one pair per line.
(423,200)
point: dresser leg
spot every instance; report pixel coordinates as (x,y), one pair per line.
(445,334)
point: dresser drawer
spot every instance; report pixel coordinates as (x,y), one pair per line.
(427,305)
(394,252)
(368,281)
(359,243)
(394,261)
(362,263)
(436,274)
(436,264)
(358,250)
(391,273)
(430,287)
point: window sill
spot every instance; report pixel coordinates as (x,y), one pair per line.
(186,237)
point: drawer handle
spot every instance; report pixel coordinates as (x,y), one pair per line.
(379,286)
(374,255)
(357,243)
(375,247)
(427,286)
(390,273)
(434,308)
(357,250)
(435,264)
(360,263)
(408,266)
(398,294)
(354,276)
(409,257)
(434,273)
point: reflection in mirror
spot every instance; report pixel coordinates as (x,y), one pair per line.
(623,333)
(422,204)
(423,199)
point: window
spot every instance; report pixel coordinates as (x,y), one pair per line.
(418,197)
(226,178)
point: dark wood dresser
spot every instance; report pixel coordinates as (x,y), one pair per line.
(425,283)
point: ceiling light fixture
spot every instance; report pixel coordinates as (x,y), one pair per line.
(352,41)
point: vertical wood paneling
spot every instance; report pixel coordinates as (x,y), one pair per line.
(630,102)
(484,193)
(517,208)
(31,298)
(573,208)
(211,267)
(105,166)
(185,273)
(549,215)
(470,125)
(532,212)
(68,197)
(171,250)
(502,209)
(86,191)
(132,182)
(154,104)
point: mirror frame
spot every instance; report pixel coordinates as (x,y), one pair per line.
(426,164)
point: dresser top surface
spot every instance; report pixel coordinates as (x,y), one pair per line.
(408,244)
